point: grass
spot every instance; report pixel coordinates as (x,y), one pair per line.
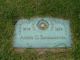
(11,10)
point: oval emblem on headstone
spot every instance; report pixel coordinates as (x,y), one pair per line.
(43,25)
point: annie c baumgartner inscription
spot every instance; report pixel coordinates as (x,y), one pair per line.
(42,33)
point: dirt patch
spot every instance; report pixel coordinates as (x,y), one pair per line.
(20,50)
(41,51)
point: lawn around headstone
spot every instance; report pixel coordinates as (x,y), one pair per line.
(13,10)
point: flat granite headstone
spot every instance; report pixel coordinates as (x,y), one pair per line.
(42,33)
